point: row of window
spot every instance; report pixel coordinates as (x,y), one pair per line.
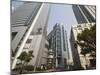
(28,43)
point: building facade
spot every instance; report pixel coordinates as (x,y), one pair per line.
(86,17)
(84,13)
(78,58)
(58,47)
(29,30)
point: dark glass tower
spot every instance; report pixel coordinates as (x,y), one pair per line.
(84,14)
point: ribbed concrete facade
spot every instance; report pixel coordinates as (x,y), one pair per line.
(30,23)
(21,21)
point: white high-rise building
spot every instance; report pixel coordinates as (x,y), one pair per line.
(29,30)
(78,58)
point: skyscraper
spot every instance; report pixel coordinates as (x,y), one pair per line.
(29,29)
(75,54)
(84,14)
(58,46)
(86,17)
(78,58)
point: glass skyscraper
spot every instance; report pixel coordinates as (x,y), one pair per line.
(84,14)
(58,45)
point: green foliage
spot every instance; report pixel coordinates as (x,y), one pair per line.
(38,69)
(24,58)
(29,68)
(87,40)
(84,51)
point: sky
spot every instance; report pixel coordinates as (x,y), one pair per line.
(62,13)
(59,13)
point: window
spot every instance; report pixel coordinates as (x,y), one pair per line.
(79,28)
(26,46)
(28,40)
(59,60)
(65,62)
(39,30)
(13,35)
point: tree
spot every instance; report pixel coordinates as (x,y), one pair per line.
(88,38)
(85,51)
(87,41)
(24,58)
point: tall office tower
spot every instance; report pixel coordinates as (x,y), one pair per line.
(78,59)
(84,14)
(29,29)
(58,45)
